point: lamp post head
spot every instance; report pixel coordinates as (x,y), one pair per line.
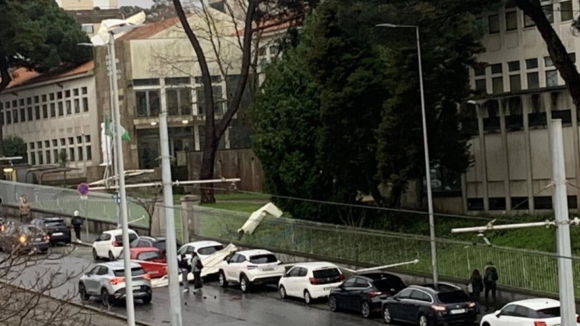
(472,102)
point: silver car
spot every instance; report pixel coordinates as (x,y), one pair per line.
(107,282)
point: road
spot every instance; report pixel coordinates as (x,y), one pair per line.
(216,306)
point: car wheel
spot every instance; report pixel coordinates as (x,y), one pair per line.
(147,299)
(366,309)
(423,321)
(83,292)
(307,297)
(282,292)
(95,256)
(244,284)
(332,304)
(387,315)
(111,257)
(106,298)
(222,280)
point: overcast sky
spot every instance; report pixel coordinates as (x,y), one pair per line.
(137,3)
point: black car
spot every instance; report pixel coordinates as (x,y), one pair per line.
(425,305)
(365,293)
(156,242)
(24,238)
(55,227)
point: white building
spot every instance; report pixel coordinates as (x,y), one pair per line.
(87,4)
(521,91)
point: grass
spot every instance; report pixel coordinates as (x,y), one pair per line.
(235,206)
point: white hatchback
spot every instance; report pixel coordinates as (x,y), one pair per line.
(531,312)
(110,244)
(249,267)
(310,281)
(203,249)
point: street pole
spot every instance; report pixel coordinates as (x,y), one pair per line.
(432,238)
(174,296)
(560,199)
(122,190)
(112,104)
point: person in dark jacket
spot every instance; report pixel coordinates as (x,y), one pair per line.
(185,269)
(196,266)
(475,287)
(77,223)
(490,281)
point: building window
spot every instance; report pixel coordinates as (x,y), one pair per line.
(62,142)
(514,66)
(43,97)
(76,92)
(40,158)
(88,28)
(31,145)
(55,155)
(80,153)
(497,84)
(77,105)
(531,63)
(493,22)
(46,143)
(218,99)
(543,202)
(566,12)
(533,80)
(178,81)
(37,112)
(481,85)
(148,103)
(30,113)
(8,117)
(87,138)
(71,154)
(60,109)
(551,78)
(59,95)
(84,90)
(496,69)
(520,203)
(32,158)
(52,110)
(85,104)
(497,204)
(68,108)
(54,143)
(178,101)
(48,161)
(79,139)
(475,204)
(45,111)
(145,82)
(15,116)
(511,20)
(51,96)
(39,145)
(89,153)
(479,71)
(572,57)
(515,83)
(67,93)
(548,62)
(549,12)
(22,115)
(71,141)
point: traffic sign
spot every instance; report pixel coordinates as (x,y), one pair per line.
(83,189)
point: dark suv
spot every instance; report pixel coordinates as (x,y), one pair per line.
(425,305)
(155,242)
(55,227)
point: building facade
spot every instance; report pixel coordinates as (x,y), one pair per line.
(87,4)
(520,91)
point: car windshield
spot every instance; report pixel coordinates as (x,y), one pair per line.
(549,313)
(263,259)
(29,230)
(119,237)
(385,285)
(209,250)
(453,297)
(135,271)
(326,273)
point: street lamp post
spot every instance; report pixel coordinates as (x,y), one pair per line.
(426,149)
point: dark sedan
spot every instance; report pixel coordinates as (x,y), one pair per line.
(55,227)
(427,306)
(365,293)
(155,242)
(24,238)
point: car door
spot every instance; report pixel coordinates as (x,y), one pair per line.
(416,304)
(299,282)
(288,281)
(509,316)
(398,303)
(90,279)
(101,245)
(343,293)
(102,274)
(229,268)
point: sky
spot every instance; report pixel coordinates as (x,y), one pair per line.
(137,3)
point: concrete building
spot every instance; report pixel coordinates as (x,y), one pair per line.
(520,92)
(87,4)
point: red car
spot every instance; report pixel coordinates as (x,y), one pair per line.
(151,260)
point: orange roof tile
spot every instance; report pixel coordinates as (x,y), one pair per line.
(149,30)
(23,76)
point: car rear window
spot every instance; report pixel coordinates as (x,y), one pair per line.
(548,313)
(453,297)
(385,285)
(210,250)
(263,259)
(55,223)
(119,237)
(149,255)
(136,271)
(326,273)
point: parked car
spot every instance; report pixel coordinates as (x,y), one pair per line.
(110,244)
(365,293)
(151,260)
(424,305)
(55,227)
(148,242)
(24,238)
(310,281)
(531,312)
(251,267)
(203,249)
(106,281)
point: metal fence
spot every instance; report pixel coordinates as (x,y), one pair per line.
(523,269)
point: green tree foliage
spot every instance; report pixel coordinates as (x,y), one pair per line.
(14,146)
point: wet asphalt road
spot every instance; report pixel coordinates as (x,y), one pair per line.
(216,306)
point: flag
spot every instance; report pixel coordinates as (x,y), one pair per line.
(109,130)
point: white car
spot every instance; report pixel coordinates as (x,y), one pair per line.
(310,281)
(203,249)
(531,312)
(250,267)
(110,244)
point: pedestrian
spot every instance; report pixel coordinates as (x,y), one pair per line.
(197,266)
(475,287)
(185,269)
(77,223)
(490,281)
(24,209)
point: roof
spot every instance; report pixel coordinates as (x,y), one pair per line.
(150,30)
(254,252)
(24,77)
(119,264)
(201,244)
(316,265)
(537,304)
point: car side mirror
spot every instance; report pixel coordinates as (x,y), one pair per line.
(97,239)
(396,298)
(498,314)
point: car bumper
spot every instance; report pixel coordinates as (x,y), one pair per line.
(449,319)
(143,291)
(321,291)
(42,247)
(66,237)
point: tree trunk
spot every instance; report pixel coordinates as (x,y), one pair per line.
(207,168)
(4,82)
(556,49)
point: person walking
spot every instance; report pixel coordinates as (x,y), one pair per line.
(197,266)
(490,281)
(24,209)
(185,269)
(475,287)
(77,223)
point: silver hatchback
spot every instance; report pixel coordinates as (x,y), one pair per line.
(106,281)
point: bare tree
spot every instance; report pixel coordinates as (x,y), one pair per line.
(148,205)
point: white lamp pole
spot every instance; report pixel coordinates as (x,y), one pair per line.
(426,149)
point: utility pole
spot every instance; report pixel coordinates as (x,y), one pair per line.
(562,223)
(170,241)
